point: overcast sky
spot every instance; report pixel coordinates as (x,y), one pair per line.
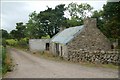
(18,11)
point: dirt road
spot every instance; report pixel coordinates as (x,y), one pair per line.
(29,66)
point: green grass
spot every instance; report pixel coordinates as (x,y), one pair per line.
(0,61)
(3,60)
(6,61)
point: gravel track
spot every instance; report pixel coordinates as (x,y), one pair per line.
(29,66)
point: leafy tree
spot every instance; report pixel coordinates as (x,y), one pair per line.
(78,13)
(111,18)
(14,34)
(33,29)
(19,32)
(74,22)
(46,22)
(21,29)
(100,21)
(4,34)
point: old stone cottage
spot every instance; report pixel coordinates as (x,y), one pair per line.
(85,37)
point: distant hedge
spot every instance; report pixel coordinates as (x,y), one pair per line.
(21,43)
(11,42)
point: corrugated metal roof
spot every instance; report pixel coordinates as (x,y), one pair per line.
(66,35)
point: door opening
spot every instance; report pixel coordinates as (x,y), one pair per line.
(57,48)
(47,46)
(61,51)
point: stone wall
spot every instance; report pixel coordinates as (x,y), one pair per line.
(103,57)
(91,38)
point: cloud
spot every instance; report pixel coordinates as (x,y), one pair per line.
(13,12)
(18,11)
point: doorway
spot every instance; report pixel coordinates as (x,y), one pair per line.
(61,51)
(57,48)
(47,46)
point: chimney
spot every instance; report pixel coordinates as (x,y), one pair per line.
(90,22)
(62,28)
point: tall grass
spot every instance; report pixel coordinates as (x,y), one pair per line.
(0,61)
(4,70)
(6,63)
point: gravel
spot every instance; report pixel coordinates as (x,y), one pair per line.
(29,66)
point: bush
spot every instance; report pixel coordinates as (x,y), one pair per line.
(23,43)
(3,42)
(11,42)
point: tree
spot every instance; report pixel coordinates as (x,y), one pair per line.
(19,32)
(4,34)
(74,22)
(78,13)
(14,34)
(111,16)
(100,21)
(46,22)
(51,20)
(33,29)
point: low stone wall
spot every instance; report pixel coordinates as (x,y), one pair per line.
(103,57)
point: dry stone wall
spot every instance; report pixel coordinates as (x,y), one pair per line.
(104,57)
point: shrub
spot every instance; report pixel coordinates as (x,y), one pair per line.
(3,42)
(23,43)
(11,42)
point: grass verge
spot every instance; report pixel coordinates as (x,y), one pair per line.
(6,61)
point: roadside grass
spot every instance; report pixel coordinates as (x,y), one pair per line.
(0,73)
(0,61)
(6,61)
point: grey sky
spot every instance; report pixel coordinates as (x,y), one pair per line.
(18,11)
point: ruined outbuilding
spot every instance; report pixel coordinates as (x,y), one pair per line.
(39,45)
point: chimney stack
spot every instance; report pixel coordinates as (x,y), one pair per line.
(90,22)
(62,28)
